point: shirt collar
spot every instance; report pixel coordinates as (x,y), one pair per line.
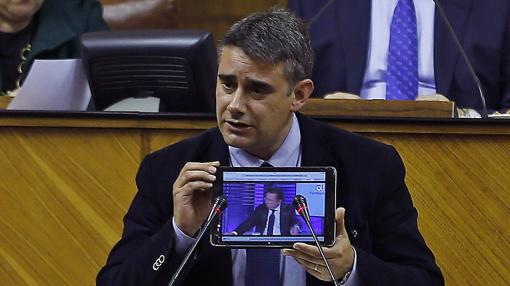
(287,155)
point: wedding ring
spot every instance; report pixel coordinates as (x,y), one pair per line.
(316,267)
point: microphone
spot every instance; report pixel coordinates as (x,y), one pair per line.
(319,13)
(302,208)
(220,203)
(464,57)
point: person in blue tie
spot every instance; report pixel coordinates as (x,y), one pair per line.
(402,49)
(271,217)
(265,65)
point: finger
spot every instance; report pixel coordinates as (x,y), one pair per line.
(310,265)
(209,167)
(312,250)
(315,270)
(340,222)
(193,171)
(301,255)
(191,176)
(190,187)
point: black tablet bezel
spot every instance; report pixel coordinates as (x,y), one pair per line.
(329,219)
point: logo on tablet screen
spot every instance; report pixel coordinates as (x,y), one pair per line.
(320,188)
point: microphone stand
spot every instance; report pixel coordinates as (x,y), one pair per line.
(219,205)
(464,57)
(302,208)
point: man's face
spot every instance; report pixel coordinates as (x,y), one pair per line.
(13,11)
(253,105)
(271,200)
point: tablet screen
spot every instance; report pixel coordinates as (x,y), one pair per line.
(260,210)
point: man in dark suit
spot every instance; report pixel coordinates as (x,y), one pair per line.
(263,81)
(349,42)
(263,217)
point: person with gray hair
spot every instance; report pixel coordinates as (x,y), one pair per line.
(274,38)
(265,62)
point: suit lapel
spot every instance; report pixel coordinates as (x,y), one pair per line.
(216,150)
(315,151)
(355,31)
(446,54)
(218,258)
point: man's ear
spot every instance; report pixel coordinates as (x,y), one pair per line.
(302,91)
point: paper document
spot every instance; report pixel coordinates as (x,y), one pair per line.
(54,85)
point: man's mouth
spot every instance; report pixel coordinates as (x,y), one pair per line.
(237,124)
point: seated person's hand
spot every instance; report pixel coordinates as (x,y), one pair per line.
(192,195)
(468,113)
(14,92)
(432,97)
(340,256)
(136,14)
(341,95)
(295,230)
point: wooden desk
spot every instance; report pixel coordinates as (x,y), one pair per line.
(67,179)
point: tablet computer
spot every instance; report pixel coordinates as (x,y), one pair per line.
(260,210)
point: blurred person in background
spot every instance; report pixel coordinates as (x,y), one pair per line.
(358,48)
(41,29)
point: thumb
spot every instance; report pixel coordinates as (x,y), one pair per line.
(340,222)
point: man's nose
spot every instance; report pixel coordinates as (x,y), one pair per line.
(237,103)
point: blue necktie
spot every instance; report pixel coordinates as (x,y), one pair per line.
(402,73)
(270,223)
(263,265)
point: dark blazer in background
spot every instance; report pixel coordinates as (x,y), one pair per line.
(340,38)
(258,219)
(380,217)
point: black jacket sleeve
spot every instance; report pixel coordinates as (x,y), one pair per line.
(145,255)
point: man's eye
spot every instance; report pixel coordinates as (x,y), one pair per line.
(228,87)
(258,93)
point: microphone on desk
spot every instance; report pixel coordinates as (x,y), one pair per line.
(464,57)
(302,208)
(220,203)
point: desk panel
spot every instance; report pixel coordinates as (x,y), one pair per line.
(67,180)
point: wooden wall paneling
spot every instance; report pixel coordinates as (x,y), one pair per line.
(64,193)
(162,138)
(460,186)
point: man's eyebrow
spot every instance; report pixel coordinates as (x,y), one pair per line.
(227,77)
(261,85)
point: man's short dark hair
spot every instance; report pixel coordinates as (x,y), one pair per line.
(274,36)
(273,190)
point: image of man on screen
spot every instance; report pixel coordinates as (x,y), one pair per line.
(272,217)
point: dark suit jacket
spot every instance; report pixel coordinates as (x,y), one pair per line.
(340,39)
(258,218)
(380,217)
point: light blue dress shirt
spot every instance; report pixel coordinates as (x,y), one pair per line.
(374,80)
(287,155)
